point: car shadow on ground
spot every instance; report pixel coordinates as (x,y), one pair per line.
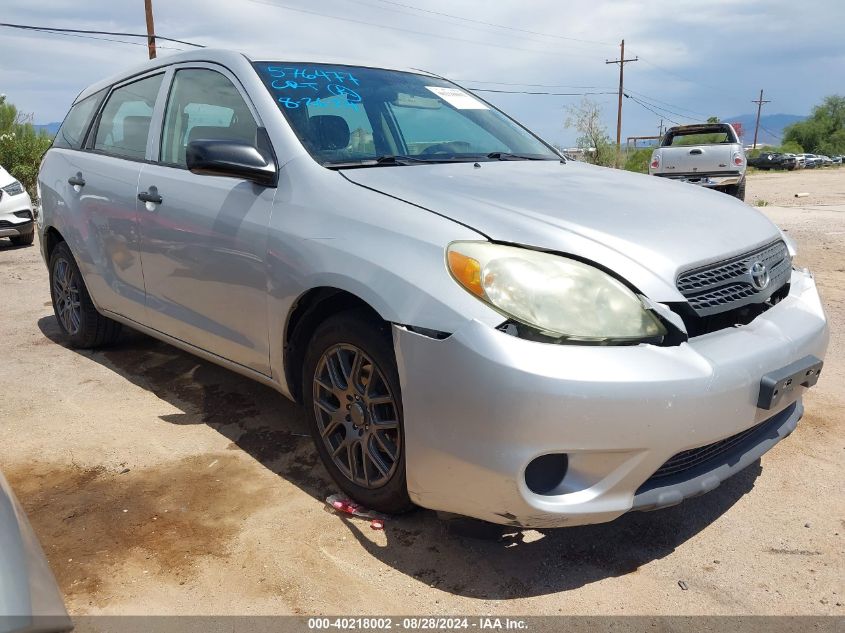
(6,245)
(520,564)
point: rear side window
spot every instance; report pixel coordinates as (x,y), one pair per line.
(203,105)
(72,132)
(125,121)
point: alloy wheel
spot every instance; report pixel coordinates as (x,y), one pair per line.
(66,296)
(357,416)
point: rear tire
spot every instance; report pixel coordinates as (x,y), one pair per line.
(23,240)
(351,390)
(737,191)
(81,324)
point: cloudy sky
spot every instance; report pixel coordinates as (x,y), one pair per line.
(696,59)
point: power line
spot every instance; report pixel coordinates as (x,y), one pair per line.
(285,7)
(29,27)
(683,116)
(646,97)
(653,101)
(448,20)
(643,105)
(505,83)
(93,37)
(765,129)
(498,26)
(529,92)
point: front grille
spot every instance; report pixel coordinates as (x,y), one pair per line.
(5,224)
(727,285)
(695,461)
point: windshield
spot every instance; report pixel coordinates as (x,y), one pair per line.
(351,116)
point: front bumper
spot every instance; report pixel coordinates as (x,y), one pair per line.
(12,225)
(706,180)
(480,405)
(9,229)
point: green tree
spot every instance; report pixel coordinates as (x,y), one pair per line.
(637,160)
(593,139)
(824,131)
(21,146)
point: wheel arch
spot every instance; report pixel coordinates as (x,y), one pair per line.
(312,308)
(52,238)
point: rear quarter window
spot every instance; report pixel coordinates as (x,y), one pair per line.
(71,134)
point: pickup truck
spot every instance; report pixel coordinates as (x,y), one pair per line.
(707,154)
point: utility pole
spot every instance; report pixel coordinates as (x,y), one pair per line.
(759,103)
(151,30)
(621,61)
(660,129)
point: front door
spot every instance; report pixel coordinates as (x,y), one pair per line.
(204,238)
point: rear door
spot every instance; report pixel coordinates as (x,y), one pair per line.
(102,191)
(204,238)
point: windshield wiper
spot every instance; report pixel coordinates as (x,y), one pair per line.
(388,160)
(400,159)
(511,156)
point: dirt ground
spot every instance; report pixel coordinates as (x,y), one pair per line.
(159,483)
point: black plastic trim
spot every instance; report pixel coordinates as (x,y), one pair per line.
(657,493)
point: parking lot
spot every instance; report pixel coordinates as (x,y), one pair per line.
(159,483)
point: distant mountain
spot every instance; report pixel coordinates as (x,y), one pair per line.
(771,126)
(50,128)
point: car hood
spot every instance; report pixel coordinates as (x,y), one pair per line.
(644,228)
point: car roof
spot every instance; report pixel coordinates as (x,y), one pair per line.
(227,57)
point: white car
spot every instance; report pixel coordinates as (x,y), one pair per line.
(16,221)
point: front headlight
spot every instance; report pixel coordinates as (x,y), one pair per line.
(560,297)
(13,189)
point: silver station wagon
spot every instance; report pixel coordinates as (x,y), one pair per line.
(475,324)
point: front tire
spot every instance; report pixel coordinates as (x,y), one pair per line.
(351,391)
(78,319)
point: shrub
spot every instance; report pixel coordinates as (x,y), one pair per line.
(21,146)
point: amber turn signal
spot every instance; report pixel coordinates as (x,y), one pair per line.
(467,271)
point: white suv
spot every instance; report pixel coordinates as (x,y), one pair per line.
(15,211)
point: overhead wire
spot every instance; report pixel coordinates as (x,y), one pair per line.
(372,24)
(495,25)
(30,27)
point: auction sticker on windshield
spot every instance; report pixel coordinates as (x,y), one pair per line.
(457,98)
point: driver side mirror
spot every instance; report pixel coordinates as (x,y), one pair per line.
(235,159)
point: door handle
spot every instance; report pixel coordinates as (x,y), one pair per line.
(150,196)
(695,152)
(76,181)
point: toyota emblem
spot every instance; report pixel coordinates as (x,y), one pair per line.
(759,275)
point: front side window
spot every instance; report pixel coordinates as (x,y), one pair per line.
(125,121)
(72,131)
(348,116)
(203,105)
